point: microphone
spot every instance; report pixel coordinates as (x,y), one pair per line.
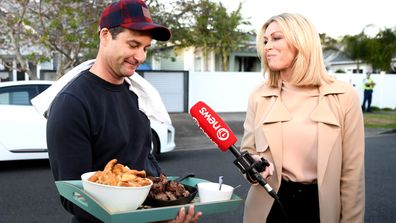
(220,134)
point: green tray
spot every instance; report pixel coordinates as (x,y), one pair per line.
(74,192)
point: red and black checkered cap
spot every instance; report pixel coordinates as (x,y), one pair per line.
(132,14)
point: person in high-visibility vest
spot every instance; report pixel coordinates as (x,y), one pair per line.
(368,86)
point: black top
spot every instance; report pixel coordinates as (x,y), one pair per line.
(91,122)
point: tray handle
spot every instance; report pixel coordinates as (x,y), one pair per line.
(74,194)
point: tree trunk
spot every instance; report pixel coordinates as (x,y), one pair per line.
(205,55)
(224,57)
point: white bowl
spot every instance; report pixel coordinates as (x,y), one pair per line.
(114,198)
(209,192)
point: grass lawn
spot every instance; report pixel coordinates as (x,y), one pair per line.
(380,119)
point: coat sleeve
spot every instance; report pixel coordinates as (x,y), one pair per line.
(248,139)
(352,176)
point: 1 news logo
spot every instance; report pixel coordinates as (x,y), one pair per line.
(223,134)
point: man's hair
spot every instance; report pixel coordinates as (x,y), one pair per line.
(308,65)
(115,31)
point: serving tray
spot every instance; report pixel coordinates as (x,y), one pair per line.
(73,191)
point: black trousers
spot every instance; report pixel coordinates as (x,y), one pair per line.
(300,202)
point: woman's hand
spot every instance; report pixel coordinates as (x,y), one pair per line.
(269,170)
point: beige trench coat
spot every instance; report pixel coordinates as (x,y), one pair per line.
(340,151)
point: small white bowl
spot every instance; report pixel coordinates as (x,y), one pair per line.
(114,198)
(209,192)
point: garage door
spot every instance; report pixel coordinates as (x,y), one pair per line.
(172,86)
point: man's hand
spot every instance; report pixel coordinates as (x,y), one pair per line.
(190,217)
(182,217)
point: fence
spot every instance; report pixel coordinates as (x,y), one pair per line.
(229,91)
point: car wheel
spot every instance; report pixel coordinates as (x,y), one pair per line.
(155,145)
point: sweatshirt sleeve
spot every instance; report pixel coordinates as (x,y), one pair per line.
(69,154)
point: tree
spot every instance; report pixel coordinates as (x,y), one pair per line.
(229,36)
(381,50)
(328,43)
(356,48)
(202,24)
(17,36)
(68,29)
(65,30)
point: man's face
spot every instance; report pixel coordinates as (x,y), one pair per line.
(124,53)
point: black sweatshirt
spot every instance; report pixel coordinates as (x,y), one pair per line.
(91,122)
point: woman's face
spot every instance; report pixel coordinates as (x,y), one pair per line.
(278,53)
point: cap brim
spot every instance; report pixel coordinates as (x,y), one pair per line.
(158,32)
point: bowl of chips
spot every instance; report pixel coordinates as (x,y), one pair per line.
(117,188)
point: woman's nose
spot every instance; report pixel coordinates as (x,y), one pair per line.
(268,45)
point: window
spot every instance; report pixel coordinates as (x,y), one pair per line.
(247,64)
(20,95)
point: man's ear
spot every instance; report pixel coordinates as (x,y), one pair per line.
(104,35)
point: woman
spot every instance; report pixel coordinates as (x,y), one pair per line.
(308,126)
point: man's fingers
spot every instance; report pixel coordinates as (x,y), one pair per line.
(197,216)
(181,215)
(191,217)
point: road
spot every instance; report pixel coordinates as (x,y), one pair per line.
(28,194)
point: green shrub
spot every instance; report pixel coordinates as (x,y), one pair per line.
(388,109)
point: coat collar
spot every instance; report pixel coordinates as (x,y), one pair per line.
(322,113)
(324,89)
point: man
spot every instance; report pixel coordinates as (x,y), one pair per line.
(368,86)
(96,118)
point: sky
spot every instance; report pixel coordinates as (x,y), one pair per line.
(336,18)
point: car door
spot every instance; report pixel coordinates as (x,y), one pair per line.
(22,127)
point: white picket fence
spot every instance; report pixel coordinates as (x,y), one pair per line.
(229,91)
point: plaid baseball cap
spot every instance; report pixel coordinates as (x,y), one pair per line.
(132,14)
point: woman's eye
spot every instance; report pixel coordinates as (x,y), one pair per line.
(265,42)
(277,38)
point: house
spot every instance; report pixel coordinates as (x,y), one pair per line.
(245,59)
(43,71)
(339,62)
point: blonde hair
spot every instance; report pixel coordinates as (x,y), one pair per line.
(308,67)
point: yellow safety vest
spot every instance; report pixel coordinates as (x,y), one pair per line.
(368,84)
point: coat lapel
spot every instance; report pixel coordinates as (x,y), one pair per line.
(329,127)
(328,131)
(272,126)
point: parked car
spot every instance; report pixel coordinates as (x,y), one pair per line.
(22,128)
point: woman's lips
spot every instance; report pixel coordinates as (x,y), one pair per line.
(270,56)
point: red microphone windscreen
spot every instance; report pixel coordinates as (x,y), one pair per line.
(213,126)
